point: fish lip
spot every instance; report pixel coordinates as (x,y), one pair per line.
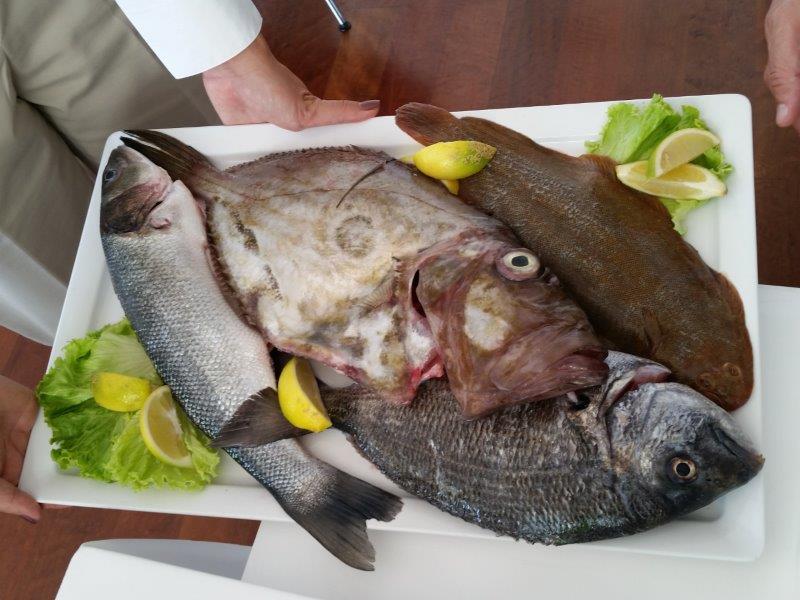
(585,366)
(751,459)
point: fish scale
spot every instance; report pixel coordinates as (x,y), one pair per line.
(349,257)
(154,241)
(645,289)
(551,472)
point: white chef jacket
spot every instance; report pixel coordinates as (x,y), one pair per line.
(188,37)
(192,36)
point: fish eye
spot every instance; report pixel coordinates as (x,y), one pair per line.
(109,175)
(682,469)
(519,264)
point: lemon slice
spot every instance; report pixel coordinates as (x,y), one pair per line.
(161,429)
(678,149)
(454,160)
(451,185)
(687,182)
(298,396)
(121,393)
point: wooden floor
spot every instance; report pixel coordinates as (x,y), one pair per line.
(465,54)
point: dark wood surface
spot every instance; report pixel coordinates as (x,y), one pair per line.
(468,54)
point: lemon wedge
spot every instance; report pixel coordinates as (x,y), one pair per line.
(451,185)
(298,396)
(161,430)
(687,182)
(120,393)
(454,160)
(679,148)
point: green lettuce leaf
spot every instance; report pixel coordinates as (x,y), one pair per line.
(678,209)
(103,444)
(131,462)
(632,133)
(118,350)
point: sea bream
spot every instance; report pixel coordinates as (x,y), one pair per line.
(645,289)
(217,366)
(621,458)
(349,257)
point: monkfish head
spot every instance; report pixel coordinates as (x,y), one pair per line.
(505,330)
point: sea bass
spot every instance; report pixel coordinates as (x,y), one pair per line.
(349,257)
(155,244)
(619,459)
(614,249)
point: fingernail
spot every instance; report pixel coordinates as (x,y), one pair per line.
(30,519)
(369,104)
(782,115)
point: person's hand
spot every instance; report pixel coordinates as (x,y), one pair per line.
(253,87)
(783,67)
(17,414)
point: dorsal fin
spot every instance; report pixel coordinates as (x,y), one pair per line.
(429,124)
(254,167)
(488,131)
(603,164)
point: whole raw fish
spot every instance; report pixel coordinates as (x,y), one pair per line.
(614,249)
(349,257)
(619,459)
(155,244)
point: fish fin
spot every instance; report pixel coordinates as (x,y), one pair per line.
(339,521)
(628,373)
(372,171)
(603,164)
(254,168)
(257,421)
(652,330)
(381,294)
(428,124)
(731,294)
(176,158)
(489,131)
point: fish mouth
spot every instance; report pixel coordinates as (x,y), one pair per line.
(577,370)
(751,462)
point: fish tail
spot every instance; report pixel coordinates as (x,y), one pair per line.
(429,124)
(257,421)
(175,157)
(338,521)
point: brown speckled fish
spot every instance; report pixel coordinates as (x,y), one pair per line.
(349,257)
(614,249)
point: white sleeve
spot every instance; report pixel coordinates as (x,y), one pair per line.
(192,36)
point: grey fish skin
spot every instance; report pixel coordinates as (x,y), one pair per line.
(326,249)
(560,471)
(155,245)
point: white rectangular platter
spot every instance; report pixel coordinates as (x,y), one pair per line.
(723,232)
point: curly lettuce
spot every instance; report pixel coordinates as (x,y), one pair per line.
(631,133)
(103,444)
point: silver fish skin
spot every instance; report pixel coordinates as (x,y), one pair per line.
(349,257)
(154,240)
(623,458)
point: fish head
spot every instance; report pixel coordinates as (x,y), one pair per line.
(676,448)
(140,197)
(504,328)
(726,383)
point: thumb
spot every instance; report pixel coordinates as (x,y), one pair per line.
(329,112)
(16,502)
(782,73)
